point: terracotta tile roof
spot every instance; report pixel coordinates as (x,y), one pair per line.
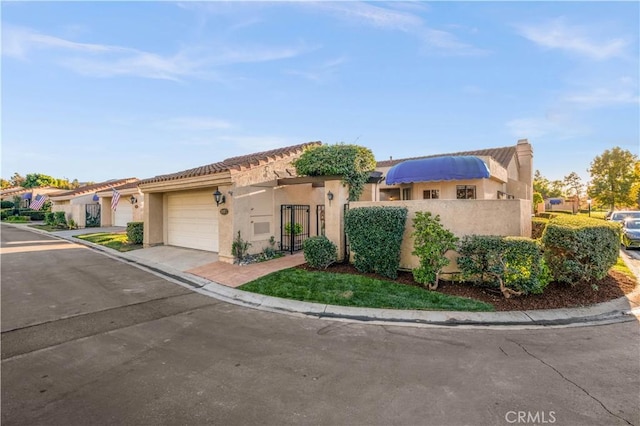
(95,187)
(501,155)
(235,163)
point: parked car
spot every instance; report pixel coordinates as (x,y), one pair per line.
(620,215)
(631,233)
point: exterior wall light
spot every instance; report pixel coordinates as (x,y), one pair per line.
(330,196)
(133,199)
(218,197)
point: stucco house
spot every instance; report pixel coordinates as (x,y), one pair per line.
(483,192)
(82,204)
(129,207)
(484,174)
(26,195)
(205,207)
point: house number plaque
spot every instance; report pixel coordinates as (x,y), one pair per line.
(224,211)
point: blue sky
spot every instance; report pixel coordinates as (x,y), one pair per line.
(102,90)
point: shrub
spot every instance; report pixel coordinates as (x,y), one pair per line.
(319,252)
(375,235)
(295,228)
(431,242)
(538,224)
(515,265)
(239,247)
(18,219)
(6,204)
(352,162)
(5,213)
(33,214)
(60,220)
(547,215)
(49,219)
(579,248)
(72,224)
(135,232)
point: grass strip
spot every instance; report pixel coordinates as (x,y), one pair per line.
(355,290)
(118,242)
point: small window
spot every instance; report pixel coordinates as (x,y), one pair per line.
(431,194)
(466,192)
(406,193)
(505,196)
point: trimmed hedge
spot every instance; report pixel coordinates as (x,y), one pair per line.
(375,235)
(49,219)
(580,248)
(547,215)
(319,252)
(431,241)
(517,262)
(6,204)
(60,220)
(135,232)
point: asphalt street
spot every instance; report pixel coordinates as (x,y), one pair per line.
(90,340)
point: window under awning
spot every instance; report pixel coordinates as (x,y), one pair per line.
(437,169)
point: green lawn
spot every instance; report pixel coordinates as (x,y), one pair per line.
(622,267)
(355,290)
(115,241)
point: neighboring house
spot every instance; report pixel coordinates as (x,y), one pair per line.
(128,208)
(565,204)
(205,207)
(82,205)
(26,195)
(485,174)
(482,192)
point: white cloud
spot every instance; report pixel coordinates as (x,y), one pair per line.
(602,97)
(397,20)
(322,72)
(107,61)
(557,34)
(197,123)
(557,126)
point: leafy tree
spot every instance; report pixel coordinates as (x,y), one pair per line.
(431,242)
(354,163)
(635,188)
(17,179)
(34,180)
(574,183)
(4,184)
(613,176)
(546,188)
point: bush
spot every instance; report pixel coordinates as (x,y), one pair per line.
(33,214)
(563,211)
(375,235)
(579,248)
(18,219)
(319,252)
(431,242)
(6,204)
(547,215)
(5,213)
(513,264)
(135,232)
(239,247)
(49,219)
(538,224)
(60,220)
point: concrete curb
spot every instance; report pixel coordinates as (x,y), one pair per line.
(622,309)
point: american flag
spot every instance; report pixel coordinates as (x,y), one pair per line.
(114,200)
(38,202)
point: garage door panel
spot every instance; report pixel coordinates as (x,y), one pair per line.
(192,221)
(123,213)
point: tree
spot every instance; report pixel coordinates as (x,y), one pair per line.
(545,187)
(635,188)
(613,176)
(4,184)
(574,183)
(17,179)
(34,180)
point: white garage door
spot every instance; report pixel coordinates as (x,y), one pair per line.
(123,213)
(192,220)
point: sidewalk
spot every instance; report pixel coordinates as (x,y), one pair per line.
(202,272)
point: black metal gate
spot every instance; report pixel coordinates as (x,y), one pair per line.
(294,226)
(92,216)
(320,219)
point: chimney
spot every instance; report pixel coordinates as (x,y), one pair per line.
(524,151)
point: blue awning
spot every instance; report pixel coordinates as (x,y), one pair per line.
(555,201)
(95,197)
(438,168)
(27,195)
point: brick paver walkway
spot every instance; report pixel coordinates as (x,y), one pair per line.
(236,275)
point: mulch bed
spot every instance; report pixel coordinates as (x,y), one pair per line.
(556,295)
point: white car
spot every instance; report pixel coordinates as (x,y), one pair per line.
(620,215)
